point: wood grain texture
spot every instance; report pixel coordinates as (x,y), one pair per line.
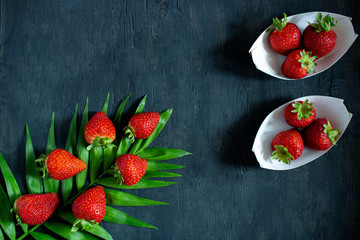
(191,56)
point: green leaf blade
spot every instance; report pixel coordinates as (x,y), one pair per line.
(33,178)
(50,184)
(97,230)
(12,187)
(96,161)
(41,236)
(106,104)
(154,166)
(117,120)
(160,174)
(70,146)
(118,198)
(143,183)
(124,146)
(141,105)
(159,154)
(116,216)
(81,151)
(64,230)
(7,221)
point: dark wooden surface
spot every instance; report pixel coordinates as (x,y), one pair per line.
(191,56)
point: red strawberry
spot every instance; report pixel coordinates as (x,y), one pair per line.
(298,64)
(89,208)
(60,164)
(300,114)
(321,134)
(287,145)
(142,125)
(285,37)
(318,37)
(129,168)
(99,131)
(34,209)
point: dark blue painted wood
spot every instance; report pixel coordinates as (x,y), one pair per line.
(191,56)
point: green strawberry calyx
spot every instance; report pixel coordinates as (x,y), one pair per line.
(307,61)
(115,171)
(278,24)
(42,162)
(18,218)
(333,134)
(282,154)
(304,110)
(129,133)
(323,24)
(101,142)
(83,225)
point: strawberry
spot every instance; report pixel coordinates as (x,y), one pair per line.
(318,37)
(287,145)
(284,37)
(60,164)
(34,209)
(142,125)
(300,114)
(298,64)
(99,131)
(320,134)
(89,208)
(129,169)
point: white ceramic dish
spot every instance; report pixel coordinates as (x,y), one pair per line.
(268,61)
(326,107)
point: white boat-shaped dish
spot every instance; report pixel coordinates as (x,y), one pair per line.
(326,107)
(268,61)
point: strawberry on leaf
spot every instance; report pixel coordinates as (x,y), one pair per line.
(129,169)
(100,131)
(34,209)
(142,125)
(60,164)
(89,208)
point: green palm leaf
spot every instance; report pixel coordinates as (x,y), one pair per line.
(12,187)
(143,183)
(106,104)
(81,151)
(6,218)
(117,120)
(50,184)
(116,216)
(115,197)
(153,165)
(96,158)
(141,105)
(160,174)
(33,180)
(64,230)
(41,236)
(70,146)
(97,230)
(159,154)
